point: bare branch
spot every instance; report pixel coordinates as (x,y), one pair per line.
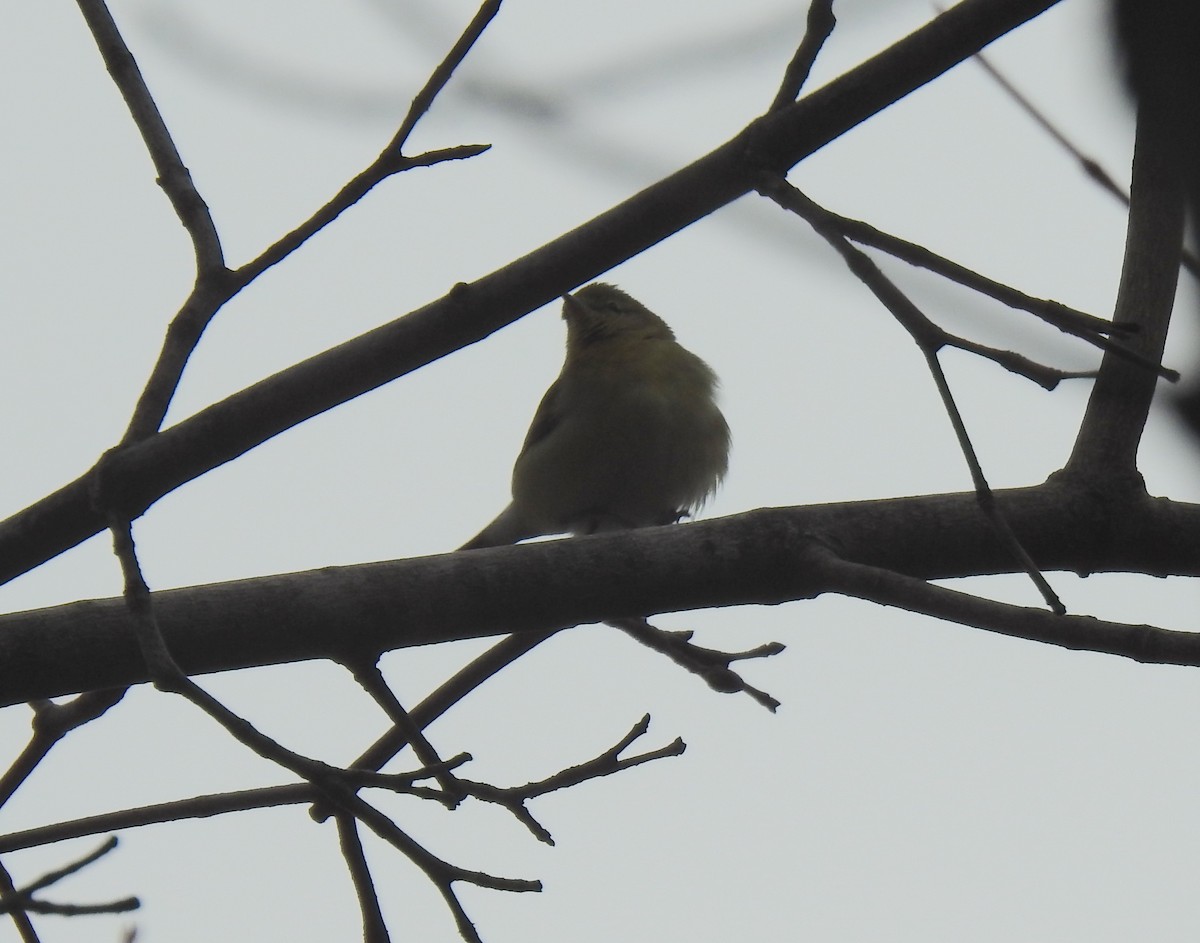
(387,164)
(1082,325)
(514,798)
(449,693)
(373,682)
(17,902)
(1143,643)
(821,22)
(173,176)
(122,906)
(168,676)
(441,75)
(215,284)
(53,877)
(220,433)
(19,917)
(707,663)
(441,873)
(929,336)
(749,558)
(52,722)
(174,811)
(930,339)
(983,491)
(391,159)
(1089,165)
(374,928)
(1107,444)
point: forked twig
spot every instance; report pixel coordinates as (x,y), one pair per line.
(610,761)
(707,663)
(929,339)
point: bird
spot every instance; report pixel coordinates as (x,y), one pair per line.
(629,435)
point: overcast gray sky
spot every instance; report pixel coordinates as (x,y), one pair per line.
(921,782)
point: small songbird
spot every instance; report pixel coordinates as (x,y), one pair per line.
(629,435)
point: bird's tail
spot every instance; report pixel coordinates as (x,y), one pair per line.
(507,528)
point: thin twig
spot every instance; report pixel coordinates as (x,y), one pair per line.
(169,677)
(373,682)
(211,288)
(173,175)
(928,335)
(449,693)
(391,159)
(1147,644)
(374,928)
(384,166)
(441,873)
(19,900)
(929,339)
(1082,325)
(514,798)
(1070,320)
(8,892)
(53,877)
(51,723)
(221,432)
(1090,166)
(821,22)
(983,491)
(441,75)
(214,283)
(707,663)
(174,811)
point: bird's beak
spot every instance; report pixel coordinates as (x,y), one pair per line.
(569,305)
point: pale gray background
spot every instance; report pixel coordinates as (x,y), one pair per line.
(921,782)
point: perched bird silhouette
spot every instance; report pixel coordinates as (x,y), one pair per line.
(629,435)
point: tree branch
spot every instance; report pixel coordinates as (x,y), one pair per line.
(1107,444)
(1143,643)
(173,175)
(156,466)
(341,612)
(821,22)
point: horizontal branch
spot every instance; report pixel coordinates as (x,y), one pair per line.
(141,474)
(760,557)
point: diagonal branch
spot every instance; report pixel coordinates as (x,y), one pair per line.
(51,723)
(1147,644)
(929,339)
(374,927)
(821,22)
(228,429)
(8,891)
(1078,323)
(1107,444)
(441,75)
(173,175)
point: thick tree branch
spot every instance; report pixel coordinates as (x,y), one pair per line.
(145,472)
(758,557)
(1111,431)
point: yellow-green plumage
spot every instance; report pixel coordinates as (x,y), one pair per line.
(629,435)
